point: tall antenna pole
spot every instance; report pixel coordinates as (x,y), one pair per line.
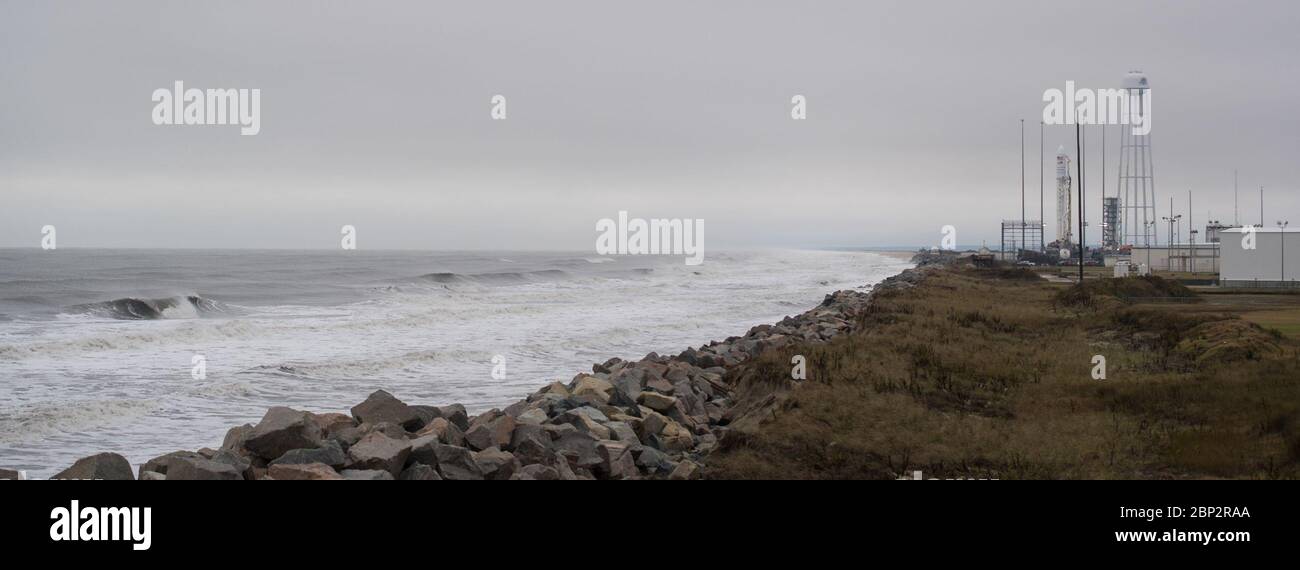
(1261,206)
(1022,187)
(1236,213)
(1172,221)
(1191,237)
(1078,150)
(1042,212)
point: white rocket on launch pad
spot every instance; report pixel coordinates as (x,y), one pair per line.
(1064,199)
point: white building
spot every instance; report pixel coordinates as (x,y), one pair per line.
(1190,258)
(1272,260)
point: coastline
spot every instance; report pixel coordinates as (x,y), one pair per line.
(653,418)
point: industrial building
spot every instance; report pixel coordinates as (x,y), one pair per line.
(1274,261)
(1184,257)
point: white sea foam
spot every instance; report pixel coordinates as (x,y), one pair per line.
(317,333)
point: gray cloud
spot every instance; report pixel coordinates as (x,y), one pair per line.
(377,116)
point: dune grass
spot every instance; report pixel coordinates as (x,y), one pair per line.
(988,374)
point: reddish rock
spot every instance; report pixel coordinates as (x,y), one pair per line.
(303,472)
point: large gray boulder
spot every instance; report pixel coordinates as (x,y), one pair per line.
(494,431)
(530,443)
(623,432)
(653,461)
(532,416)
(580,447)
(106,466)
(424,450)
(457,463)
(495,464)
(329,453)
(379,452)
(190,469)
(586,419)
(629,382)
(658,402)
(537,472)
(242,464)
(444,430)
(455,413)
(686,471)
(345,436)
(366,475)
(390,429)
(235,438)
(381,406)
(332,422)
(281,430)
(303,472)
(162,462)
(616,461)
(426,414)
(419,472)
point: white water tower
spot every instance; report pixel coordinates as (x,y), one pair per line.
(1137,181)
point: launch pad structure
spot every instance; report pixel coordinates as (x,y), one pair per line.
(1018,236)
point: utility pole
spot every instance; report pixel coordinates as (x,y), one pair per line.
(1169,247)
(1022,187)
(1283,224)
(1191,236)
(1150,229)
(1078,150)
(1179,224)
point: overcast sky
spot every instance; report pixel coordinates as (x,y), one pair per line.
(376,114)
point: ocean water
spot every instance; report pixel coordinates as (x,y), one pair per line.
(97,346)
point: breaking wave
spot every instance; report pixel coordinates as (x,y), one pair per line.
(410,361)
(223,331)
(37,421)
(502,278)
(131,308)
